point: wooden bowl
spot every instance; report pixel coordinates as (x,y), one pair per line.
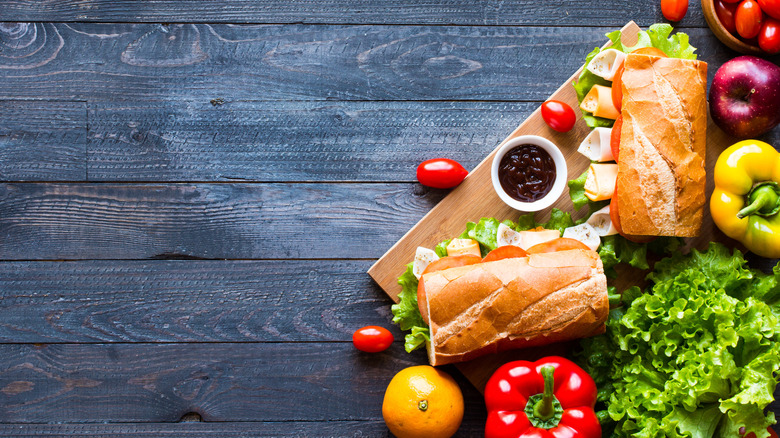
(708,6)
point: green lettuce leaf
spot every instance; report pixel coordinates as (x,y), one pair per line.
(485,232)
(659,36)
(696,355)
(616,249)
(701,423)
(577,191)
(559,220)
(526,222)
(407,314)
(441,248)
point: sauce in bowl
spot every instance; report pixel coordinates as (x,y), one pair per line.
(527,172)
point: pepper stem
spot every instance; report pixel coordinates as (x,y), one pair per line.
(544,410)
(764,200)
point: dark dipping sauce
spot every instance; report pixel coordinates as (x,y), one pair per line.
(527,173)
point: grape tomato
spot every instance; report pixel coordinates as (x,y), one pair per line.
(748,19)
(558,115)
(674,10)
(372,339)
(441,173)
(725,12)
(770,7)
(769,36)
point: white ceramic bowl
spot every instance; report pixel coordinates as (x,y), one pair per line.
(561,173)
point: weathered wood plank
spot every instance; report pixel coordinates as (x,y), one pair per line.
(255,141)
(236,221)
(189,301)
(43,141)
(214,221)
(524,12)
(318,381)
(202,62)
(145,383)
(291,141)
(313,429)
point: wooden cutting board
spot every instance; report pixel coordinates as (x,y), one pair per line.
(475,198)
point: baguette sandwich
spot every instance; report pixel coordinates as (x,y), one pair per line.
(655,94)
(661,179)
(516,302)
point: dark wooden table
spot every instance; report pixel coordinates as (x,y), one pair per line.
(193,191)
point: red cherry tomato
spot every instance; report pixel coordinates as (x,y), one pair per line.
(732,1)
(441,173)
(769,37)
(558,115)
(674,10)
(771,7)
(372,339)
(748,19)
(505,252)
(555,245)
(725,12)
(614,138)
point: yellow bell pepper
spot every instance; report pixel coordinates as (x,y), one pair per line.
(746,199)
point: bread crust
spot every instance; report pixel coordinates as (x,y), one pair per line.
(513,303)
(661,177)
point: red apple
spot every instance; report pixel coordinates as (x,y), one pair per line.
(745,96)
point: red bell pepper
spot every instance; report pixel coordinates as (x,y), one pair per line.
(549,398)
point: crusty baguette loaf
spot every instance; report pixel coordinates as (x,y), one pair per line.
(512,303)
(661,180)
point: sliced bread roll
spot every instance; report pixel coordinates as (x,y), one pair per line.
(512,303)
(661,177)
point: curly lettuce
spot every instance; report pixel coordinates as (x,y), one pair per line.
(696,355)
(406,313)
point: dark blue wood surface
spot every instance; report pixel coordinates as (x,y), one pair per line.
(191,193)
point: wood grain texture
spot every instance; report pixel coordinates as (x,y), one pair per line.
(43,141)
(214,221)
(527,12)
(189,301)
(290,141)
(308,100)
(201,62)
(318,381)
(268,141)
(332,428)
